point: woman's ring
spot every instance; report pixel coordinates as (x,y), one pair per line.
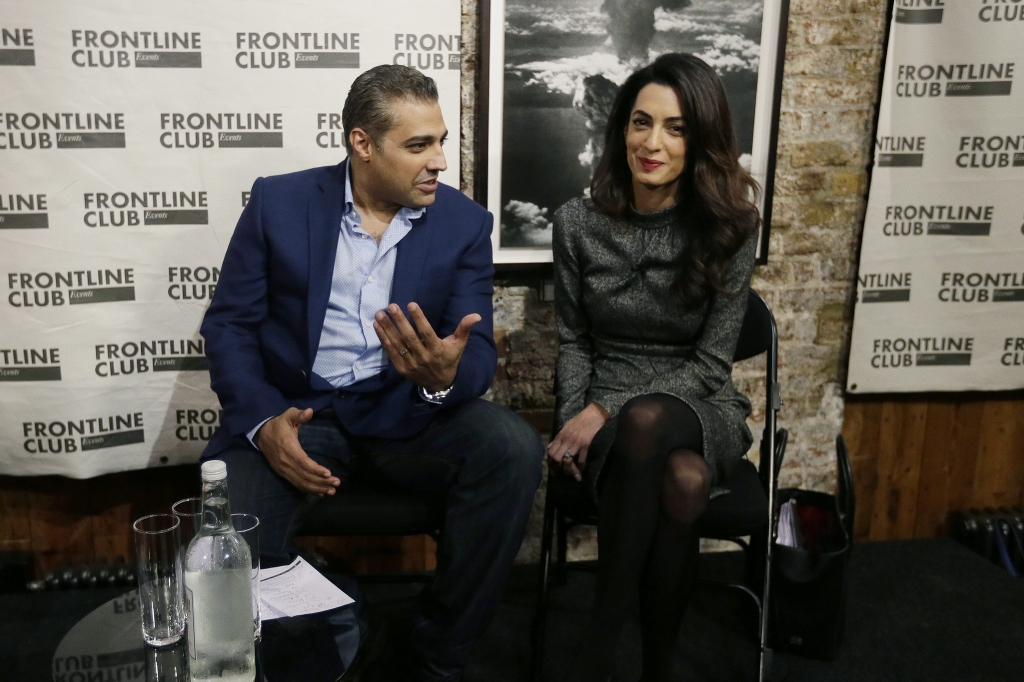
(403,351)
(567,455)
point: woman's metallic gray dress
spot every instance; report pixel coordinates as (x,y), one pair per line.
(622,334)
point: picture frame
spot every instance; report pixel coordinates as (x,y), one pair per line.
(548,72)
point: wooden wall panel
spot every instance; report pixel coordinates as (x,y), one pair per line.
(15,529)
(937,456)
(965,457)
(367,555)
(862,430)
(67,521)
(61,527)
(996,475)
(916,458)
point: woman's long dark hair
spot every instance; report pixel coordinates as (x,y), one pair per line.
(714,201)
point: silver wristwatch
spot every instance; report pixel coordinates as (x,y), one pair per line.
(435,397)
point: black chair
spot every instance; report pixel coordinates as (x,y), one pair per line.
(365,506)
(744,511)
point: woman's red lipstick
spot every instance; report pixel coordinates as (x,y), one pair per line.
(649,164)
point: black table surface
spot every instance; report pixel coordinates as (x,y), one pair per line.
(68,636)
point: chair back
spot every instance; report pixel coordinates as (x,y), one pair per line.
(760,335)
(757,332)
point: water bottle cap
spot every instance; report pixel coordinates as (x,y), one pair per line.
(214,470)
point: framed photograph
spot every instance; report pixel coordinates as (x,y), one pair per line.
(551,68)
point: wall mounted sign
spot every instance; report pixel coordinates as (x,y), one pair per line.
(940,290)
(130,137)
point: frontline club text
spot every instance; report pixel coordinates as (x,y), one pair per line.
(197,130)
(31,130)
(109,49)
(270,50)
(42,289)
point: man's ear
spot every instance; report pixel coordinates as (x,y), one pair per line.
(362,145)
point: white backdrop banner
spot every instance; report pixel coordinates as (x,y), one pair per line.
(940,295)
(130,135)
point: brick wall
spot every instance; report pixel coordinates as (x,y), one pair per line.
(828,107)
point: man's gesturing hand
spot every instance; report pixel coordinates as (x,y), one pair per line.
(418,354)
(278,440)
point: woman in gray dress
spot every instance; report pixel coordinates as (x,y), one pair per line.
(651,277)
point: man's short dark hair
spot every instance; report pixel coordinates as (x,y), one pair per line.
(368,105)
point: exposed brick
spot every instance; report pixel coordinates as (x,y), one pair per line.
(783,213)
(849,125)
(805,270)
(775,242)
(862,63)
(797,328)
(793,124)
(790,183)
(851,62)
(838,267)
(808,299)
(808,240)
(501,341)
(847,183)
(859,29)
(821,153)
(772,274)
(830,324)
(872,6)
(829,91)
(821,214)
(818,7)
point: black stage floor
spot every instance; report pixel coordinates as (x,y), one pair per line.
(918,610)
(927,610)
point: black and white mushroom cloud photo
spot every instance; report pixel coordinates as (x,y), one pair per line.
(564,62)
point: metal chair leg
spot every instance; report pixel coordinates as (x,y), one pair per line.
(541,616)
(771,532)
(765,657)
(560,572)
(563,537)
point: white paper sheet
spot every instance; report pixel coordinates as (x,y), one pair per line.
(297,589)
(789,535)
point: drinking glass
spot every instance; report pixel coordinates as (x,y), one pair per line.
(190,512)
(158,561)
(167,664)
(248,526)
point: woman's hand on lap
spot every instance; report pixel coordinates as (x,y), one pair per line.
(575,438)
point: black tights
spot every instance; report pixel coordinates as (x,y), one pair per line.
(655,485)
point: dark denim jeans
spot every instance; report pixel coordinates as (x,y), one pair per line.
(486,462)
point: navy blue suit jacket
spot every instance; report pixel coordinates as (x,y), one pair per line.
(262,329)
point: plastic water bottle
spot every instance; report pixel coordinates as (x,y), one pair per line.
(218,601)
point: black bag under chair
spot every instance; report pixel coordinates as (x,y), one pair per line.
(808,606)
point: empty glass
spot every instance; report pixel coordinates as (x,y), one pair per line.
(157,539)
(248,526)
(190,512)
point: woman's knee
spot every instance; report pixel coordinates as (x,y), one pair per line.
(638,431)
(687,486)
(640,415)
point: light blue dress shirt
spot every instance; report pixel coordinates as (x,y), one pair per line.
(364,272)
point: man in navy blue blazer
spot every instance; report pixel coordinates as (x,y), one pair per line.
(352,326)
